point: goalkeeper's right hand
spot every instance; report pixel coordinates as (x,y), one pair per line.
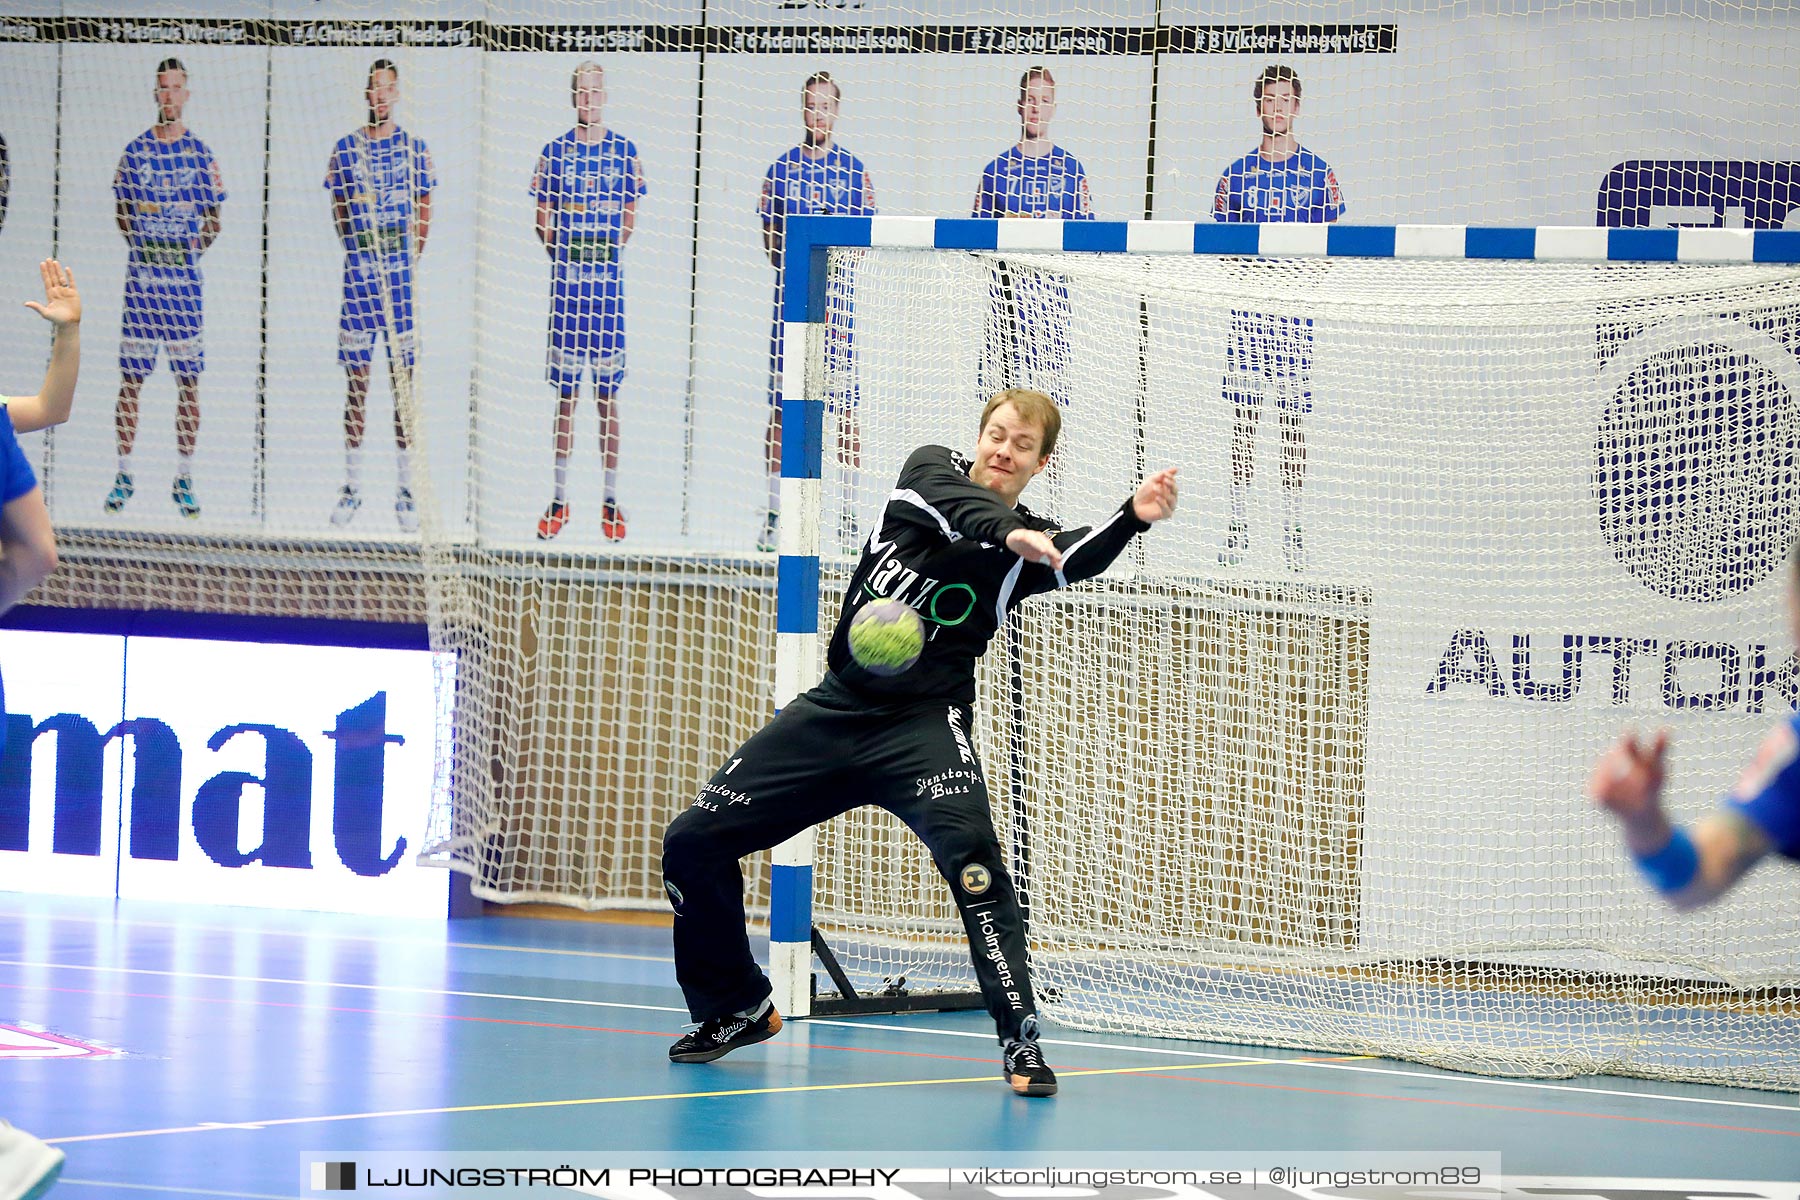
(1035,547)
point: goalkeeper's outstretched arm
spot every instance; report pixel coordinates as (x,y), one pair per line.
(1076,554)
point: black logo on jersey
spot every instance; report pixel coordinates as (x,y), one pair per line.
(976,879)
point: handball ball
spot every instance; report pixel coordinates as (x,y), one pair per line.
(886,637)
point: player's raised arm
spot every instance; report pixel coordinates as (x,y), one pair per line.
(1689,867)
(1077,554)
(62,308)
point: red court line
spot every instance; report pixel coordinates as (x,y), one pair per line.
(386,1012)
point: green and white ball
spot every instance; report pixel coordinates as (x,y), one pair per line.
(886,637)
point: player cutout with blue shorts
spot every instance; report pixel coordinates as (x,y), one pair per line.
(1027,328)
(167,193)
(380,179)
(587,186)
(815,178)
(1280,180)
(1759,816)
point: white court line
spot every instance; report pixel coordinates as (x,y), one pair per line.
(1433,1073)
(329,983)
(369,939)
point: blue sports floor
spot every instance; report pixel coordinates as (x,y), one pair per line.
(209,1051)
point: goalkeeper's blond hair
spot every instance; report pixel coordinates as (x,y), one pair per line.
(1032,405)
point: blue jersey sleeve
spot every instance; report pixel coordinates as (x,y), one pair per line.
(337,170)
(1331,197)
(987,192)
(772,206)
(16,475)
(862,191)
(1224,206)
(1768,793)
(546,184)
(634,174)
(212,182)
(424,176)
(125,179)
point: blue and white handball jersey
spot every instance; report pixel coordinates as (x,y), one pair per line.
(587,186)
(1269,349)
(1047,185)
(378,180)
(1027,334)
(835,184)
(1301,187)
(169,187)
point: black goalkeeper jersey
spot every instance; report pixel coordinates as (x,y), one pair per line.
(941,549)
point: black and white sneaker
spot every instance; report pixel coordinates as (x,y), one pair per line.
(721,1035)
(1023,1065)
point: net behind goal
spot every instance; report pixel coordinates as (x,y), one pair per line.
(1306,769)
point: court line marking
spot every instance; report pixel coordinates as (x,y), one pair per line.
(370,938)
(1440,1074)
(584,1101)
(397,988)
(1424,1071)
(988,1079)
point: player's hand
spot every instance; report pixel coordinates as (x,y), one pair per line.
(1035,547)
(62,302)
(1628,779)
(1156,496)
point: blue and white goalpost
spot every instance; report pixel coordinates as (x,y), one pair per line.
(1547,479)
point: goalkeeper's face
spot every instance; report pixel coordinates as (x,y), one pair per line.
(1009,454)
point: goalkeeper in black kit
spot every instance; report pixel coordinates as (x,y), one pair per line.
(956,546)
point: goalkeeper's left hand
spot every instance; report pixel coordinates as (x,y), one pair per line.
(1156,496)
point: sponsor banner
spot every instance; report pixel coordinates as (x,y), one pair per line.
(254,774)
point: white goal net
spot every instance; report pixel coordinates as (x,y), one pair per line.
(1336,802)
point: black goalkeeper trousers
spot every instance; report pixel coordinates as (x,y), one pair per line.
(817,759)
